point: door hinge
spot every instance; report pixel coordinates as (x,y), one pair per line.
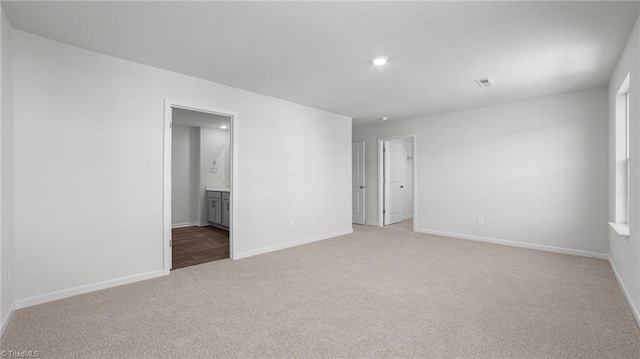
(384,149)
(384,211)
(171,124)
(170,242)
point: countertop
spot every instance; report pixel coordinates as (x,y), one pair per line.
(215,188)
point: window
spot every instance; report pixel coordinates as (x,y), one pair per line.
(622,152)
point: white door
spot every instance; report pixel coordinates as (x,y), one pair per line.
(357,186)
(393,186)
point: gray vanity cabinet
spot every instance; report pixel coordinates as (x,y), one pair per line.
(225,209)
(218,208)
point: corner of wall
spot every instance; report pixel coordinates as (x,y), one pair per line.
(627,295)
(624,252)
(7,177)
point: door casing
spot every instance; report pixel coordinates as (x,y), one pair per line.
(169,105)
(362,191)
(381,177)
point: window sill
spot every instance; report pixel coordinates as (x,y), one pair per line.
(620,228)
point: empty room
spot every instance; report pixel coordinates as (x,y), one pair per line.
(320,179)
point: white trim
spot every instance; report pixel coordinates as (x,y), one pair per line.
(278,247)
(414,167)
(634,309)
(621,228)
(166,199)
(7,320)
(381,140)
(380,182)
(540,247)
(202,195)
(65,293)
(166,188)
(190,224)
(364,179)
(371,223)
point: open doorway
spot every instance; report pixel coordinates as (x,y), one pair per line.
(397,177)
(199,188)
(199,184)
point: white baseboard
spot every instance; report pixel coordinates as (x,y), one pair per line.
(540,247)
(634,309)
(407,217)
(278,247)
(65,293)
(7,320)
(192,224)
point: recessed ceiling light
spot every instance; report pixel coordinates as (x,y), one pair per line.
(383,118)
(224,127)
(379,61)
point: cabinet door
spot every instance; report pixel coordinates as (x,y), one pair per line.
(214,213)
(225,212)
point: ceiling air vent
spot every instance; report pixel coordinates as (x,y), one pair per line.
(485,82)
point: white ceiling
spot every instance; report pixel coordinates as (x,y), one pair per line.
(319,53)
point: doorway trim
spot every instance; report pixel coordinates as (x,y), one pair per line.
(364,180)
(170,104)
(381,177)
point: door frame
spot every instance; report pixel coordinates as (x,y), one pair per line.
(381,141)
(170,104)
(364,180)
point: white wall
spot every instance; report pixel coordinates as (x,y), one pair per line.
(92,125)
(214,147)
(535,170)
(185,173)
(7,179)
(408,196)
(625,251)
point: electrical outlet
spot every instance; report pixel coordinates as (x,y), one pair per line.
(314,221)
(481,221)
(292,224)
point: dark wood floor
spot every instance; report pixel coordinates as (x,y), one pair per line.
(196,245)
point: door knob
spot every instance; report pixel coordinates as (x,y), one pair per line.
(401,186)
(361,187)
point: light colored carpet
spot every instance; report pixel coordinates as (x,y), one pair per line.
(379,292)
